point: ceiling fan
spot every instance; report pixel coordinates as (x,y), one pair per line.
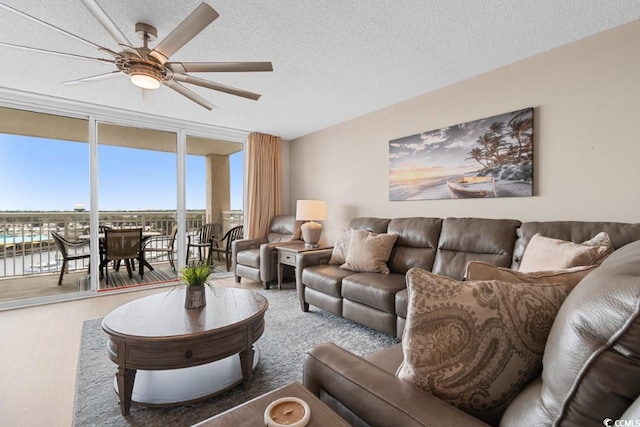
(149,68)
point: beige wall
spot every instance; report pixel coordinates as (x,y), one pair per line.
(586,97)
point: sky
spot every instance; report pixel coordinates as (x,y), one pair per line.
(43,174)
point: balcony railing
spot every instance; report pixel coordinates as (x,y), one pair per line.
(26,245)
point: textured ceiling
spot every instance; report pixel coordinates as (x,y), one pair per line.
(333,60)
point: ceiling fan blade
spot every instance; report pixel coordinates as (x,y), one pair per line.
(197,21)
(94,78)
(53,52)
(216,86)
(60,30)
(189,94)
(218,67)
(108,24)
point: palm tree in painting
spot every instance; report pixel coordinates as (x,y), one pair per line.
(477,154)
(485,143)
(520,128)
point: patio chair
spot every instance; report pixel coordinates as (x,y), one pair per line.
(233,234)
(205,237)
(162,244)
(64,246)
(123,245)
(101,230)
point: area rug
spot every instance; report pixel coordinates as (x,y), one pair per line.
(288,333)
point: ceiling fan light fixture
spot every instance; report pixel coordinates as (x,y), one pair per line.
(145,77)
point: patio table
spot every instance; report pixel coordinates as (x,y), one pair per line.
(145,235)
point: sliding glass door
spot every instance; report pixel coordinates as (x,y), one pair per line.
(137,189)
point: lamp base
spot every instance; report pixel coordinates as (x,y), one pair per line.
(311,233)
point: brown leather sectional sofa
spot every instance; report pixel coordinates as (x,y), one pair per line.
(442,246)
(591,369)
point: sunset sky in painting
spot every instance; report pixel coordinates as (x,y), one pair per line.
(436,154)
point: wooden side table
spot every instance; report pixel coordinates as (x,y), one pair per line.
(251,413)
(288,254)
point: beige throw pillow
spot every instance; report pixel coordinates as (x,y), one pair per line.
(477,270)
(369,252)
(602,241)
(547,254)
(475,345)
(340,247)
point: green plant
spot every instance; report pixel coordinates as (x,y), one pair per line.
(195,274)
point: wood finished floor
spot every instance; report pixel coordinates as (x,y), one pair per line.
(39,355)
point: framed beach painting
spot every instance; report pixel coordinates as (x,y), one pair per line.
(486,158)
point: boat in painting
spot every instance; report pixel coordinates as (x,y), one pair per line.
(472,187)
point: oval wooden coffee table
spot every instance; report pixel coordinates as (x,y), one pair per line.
(159,337)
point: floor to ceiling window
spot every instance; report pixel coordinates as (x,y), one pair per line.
(44,182)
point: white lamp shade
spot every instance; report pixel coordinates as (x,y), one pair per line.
(311,210)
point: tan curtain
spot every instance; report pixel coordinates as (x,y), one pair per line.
(264,186)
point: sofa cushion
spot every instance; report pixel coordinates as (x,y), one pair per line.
(374,289)
(340,247)
(325,278)
(476,344)
(484,271)
(375,225)
(284,228)
(545,253)
(249,257)
(474,239)
(592,352)
(402,302)
(369,252)
(573,231)
(416,244)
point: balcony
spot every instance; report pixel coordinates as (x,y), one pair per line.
(30,262)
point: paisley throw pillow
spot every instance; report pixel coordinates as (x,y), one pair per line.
(475,345)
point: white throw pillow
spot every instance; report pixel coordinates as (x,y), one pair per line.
(547,254)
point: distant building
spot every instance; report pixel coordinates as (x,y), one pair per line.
(79,207)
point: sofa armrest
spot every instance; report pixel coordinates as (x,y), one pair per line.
(373,395)
(243,245)
(307,259)
(269,260)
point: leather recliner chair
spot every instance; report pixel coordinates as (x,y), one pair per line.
(257,259)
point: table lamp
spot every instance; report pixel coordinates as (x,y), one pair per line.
(310,210)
